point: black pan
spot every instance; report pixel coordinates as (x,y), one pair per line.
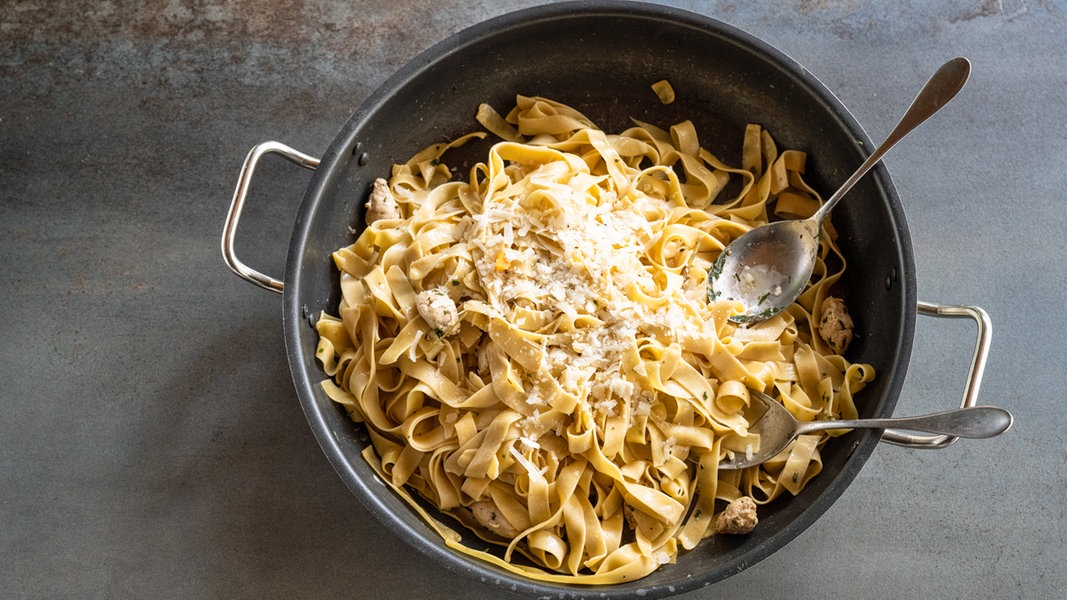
(601,58)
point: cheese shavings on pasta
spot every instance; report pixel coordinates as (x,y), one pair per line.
(532,351)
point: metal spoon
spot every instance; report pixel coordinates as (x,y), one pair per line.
(777,427)
(768,267)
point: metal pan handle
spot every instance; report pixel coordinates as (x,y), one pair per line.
(974,377)
(244,183)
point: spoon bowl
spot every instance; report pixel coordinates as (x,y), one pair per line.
(767,267)
(775,264)
(777,427)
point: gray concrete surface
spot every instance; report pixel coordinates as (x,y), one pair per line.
(151,444)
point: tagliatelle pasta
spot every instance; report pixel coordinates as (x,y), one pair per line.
(531,348)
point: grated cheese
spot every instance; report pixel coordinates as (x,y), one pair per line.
(578,246)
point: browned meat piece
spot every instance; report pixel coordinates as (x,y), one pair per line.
(381,204)
(437,309)
(835,325)
(739,517)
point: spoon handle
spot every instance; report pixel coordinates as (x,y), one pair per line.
(971,422)
(942,87)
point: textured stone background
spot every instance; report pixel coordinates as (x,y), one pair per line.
(150,441)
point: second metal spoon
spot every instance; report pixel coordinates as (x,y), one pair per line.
(777,427)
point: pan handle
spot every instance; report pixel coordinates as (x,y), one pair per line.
(974,377)
(244,183)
